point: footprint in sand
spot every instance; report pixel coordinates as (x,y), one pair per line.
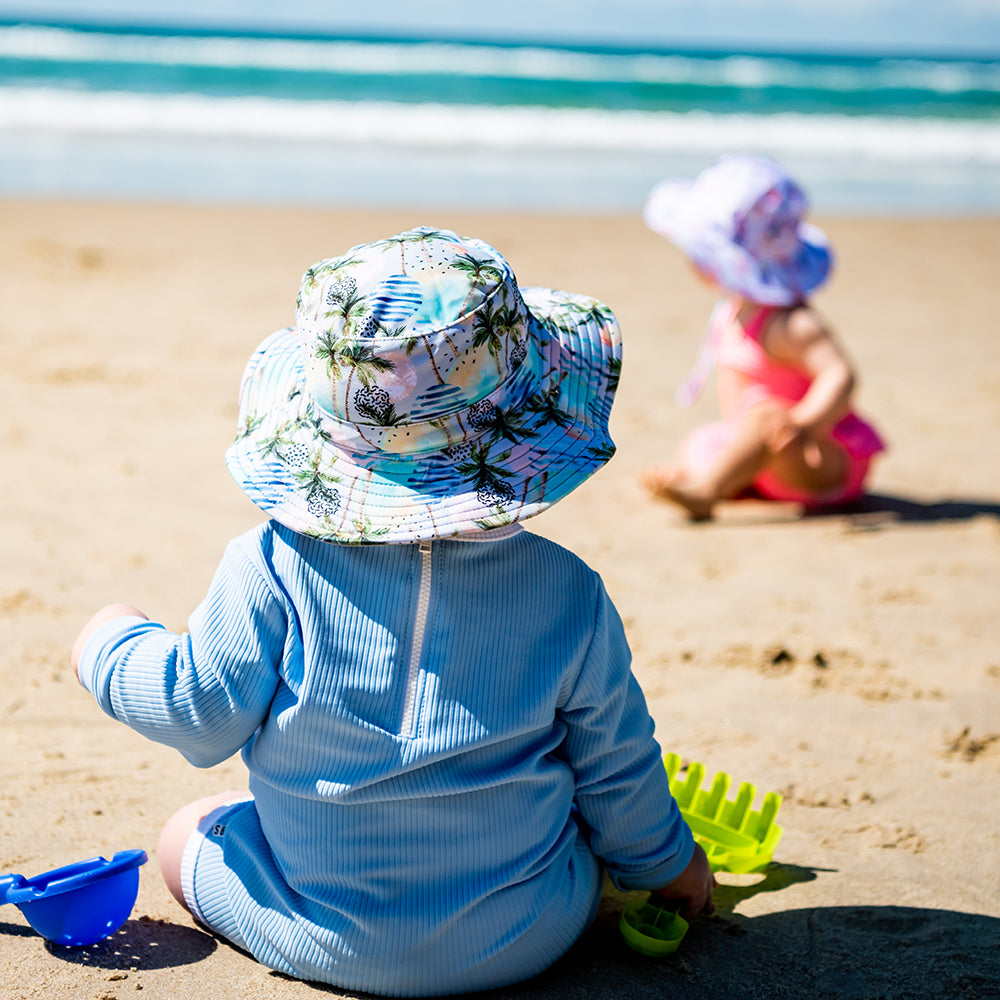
(834,670)
(969,747)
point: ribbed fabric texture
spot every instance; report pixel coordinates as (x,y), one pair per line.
(462,854)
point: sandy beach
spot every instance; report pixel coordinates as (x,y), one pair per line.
(849,661)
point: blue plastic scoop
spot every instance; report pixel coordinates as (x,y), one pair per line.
(81,903)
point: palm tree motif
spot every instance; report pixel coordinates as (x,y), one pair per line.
(602,454)
(410,344)
(250,423)
(350,494)
(414,236)
(311,279)
(614,374)
(478,271)
(488,477)
(541,489)
(361,361)
(489,328)
(499,520)
(510,324)
(500,326)
(346,304)
(327,350)
(364,532)
(322,499)
(280,440)
(545,405)
(315,274)
(486,416)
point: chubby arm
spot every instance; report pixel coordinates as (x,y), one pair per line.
(106,614)
(801,338)
(204,692)
(622,789)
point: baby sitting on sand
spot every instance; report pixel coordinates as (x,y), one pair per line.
(445,742)
(784,382)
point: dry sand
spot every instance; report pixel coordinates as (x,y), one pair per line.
(849,661)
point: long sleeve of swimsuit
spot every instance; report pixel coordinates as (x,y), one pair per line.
(204,692)
(621,789)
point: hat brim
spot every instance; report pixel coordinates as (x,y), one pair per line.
(506,472)
(769,283)
(667,211)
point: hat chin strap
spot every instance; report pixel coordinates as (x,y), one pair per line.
(693,383)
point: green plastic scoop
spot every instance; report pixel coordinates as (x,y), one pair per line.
(652,926)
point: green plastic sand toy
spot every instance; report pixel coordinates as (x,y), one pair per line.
(652,926)
(735,837)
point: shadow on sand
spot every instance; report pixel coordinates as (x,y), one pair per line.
(876,510)
(872,512)
(141,944)
(833,952)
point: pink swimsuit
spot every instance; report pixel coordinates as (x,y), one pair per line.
(738,348)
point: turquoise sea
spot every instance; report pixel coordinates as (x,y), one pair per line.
(292,119)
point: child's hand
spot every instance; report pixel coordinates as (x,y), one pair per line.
(694,886)
(102,616)
(782,432)
(785,432)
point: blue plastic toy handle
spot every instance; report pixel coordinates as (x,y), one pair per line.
(19,890)
(8,882)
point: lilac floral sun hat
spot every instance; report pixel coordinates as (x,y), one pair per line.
(421,395)
(741,222)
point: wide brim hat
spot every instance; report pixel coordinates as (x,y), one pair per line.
(741,222)
(421,394)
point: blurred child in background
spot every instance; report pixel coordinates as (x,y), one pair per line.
(785,385)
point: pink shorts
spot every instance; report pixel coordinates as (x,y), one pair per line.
(704,445)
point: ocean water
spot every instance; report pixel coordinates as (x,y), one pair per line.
(195,116)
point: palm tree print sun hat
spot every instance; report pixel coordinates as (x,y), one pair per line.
(421,394)
(741,221)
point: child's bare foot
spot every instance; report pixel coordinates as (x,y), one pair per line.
(668,484)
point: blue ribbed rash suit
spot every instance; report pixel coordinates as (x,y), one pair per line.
(445,745)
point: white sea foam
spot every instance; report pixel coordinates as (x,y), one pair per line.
(435,126)
(382,58)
